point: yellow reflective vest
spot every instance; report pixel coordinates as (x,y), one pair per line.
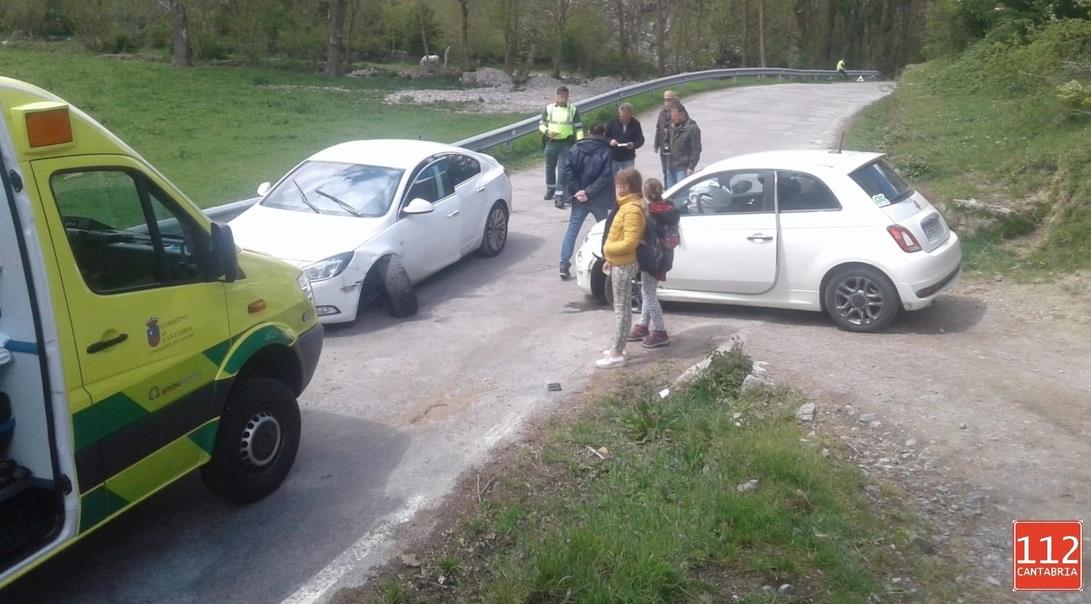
(561,123)
(840,65)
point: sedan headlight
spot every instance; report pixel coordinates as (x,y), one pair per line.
(328,268)
(305,285)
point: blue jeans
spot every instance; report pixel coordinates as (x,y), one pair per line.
(621,165)
(674,177)
(575,223)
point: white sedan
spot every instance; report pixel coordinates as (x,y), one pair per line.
(839,232)
(366,219)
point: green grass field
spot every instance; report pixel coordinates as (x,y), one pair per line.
(658,517)
(219,131)
(991,126)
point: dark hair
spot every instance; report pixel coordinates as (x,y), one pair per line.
(653,190)
(597,129)
(681,108)
(631,179)
(562,90)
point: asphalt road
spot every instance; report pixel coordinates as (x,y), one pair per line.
(398,409)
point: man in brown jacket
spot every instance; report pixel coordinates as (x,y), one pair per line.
(670,99)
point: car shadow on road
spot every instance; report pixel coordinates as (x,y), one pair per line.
(950,313)
(460,280)
(183,544)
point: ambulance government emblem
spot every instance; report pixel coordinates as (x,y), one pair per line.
(153,332)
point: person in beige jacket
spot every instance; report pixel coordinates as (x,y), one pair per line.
(624,231)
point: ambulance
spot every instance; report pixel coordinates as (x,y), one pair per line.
(137,342)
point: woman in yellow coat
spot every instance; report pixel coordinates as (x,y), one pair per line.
(625,232)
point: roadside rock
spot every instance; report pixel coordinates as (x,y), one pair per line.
(546,82)
(490,77)
(751,382)
(866,418)
(748,486)
(805,413)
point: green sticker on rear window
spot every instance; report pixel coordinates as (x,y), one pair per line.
(880,200)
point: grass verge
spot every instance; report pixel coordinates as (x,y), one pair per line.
(993,125)
(639,500)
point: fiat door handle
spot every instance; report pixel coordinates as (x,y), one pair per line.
(760,238)
(453,214)
(104,344)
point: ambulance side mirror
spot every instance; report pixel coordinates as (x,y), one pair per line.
(225,255)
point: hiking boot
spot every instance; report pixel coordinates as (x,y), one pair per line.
(657,339)
(611,361)
(550,193)
(638,333)
(558,202)
(565,272)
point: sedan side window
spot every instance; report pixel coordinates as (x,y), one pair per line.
(742,192)
(425,186)
(462,168)
(798,192)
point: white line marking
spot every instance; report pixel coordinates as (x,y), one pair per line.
(316,588)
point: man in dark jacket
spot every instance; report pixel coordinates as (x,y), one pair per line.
(589,181)
(662,128)
(626,136)
(684,139)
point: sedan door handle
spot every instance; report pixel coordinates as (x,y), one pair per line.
(453,214)
(760,238)
(480,189)
(104,344)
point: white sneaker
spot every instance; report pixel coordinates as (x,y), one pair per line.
(611,361)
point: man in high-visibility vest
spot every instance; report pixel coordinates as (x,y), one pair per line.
(841,69)
(561,126)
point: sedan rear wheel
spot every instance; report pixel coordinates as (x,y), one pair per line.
(496,231)
(861,299)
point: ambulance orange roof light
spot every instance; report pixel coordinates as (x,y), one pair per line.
(48,128)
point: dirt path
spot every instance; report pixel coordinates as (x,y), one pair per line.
(983,404)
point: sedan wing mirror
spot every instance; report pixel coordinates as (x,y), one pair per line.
(419,206)
(264,188)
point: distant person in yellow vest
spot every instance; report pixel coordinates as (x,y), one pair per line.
(561,126)
(841,69)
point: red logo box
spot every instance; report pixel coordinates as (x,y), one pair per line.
(1047,555)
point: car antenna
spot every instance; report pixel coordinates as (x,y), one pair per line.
(841,144)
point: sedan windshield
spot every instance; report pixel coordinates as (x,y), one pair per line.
(882,183)
(324,187)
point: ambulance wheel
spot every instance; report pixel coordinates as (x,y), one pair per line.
(257,441)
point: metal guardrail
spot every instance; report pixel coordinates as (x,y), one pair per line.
(508,134)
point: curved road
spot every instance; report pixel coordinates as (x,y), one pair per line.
(399,409)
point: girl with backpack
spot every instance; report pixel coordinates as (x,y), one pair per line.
(656,257)
(624,231)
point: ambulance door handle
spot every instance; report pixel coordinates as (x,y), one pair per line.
(104,344)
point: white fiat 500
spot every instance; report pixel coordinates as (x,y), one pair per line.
(366,219)
(815,230)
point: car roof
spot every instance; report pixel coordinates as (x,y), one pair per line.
(806,160)
(388,153)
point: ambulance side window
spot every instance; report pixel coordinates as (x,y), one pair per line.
(125,234)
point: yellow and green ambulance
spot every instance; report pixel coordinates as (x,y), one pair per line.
(137,342)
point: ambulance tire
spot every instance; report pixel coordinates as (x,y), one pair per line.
(398,287)
(257,441)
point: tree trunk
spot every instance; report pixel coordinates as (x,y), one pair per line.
(560,19)
(465,40)
(661,37)
(183,52)
(510,16)
(622,39)
(423,31)
(336,46)
(746,33)
(761,31)
(799,30)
